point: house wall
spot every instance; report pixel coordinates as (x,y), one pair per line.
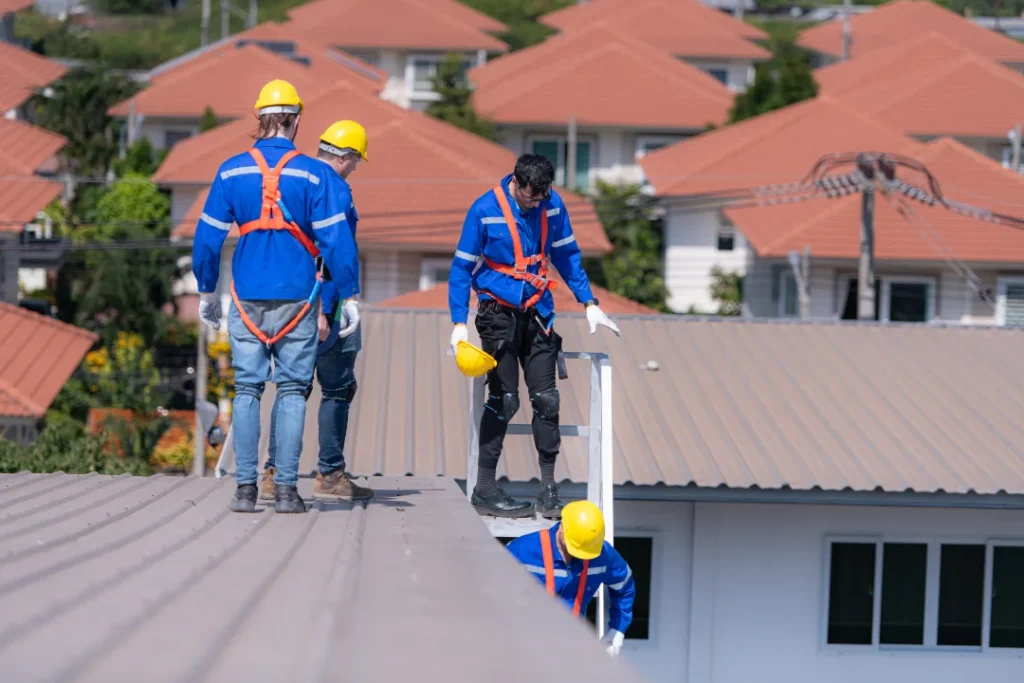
(691,251)
(739,73)
(763,288)
(614,152)
(398,64)
(163,133)
(182,199)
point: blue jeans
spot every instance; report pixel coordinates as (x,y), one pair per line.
(294,359)
(335,370)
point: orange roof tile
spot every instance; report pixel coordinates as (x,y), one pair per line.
(21,199)
(930,86)
(691,34)
(832,227)
(37,355)
(592,74)
(436,298)
(23,73)
(7,6)
(895,22)
(24,148)
(778,147)
(326,9)
(423,176)
(228,80)
(396,24)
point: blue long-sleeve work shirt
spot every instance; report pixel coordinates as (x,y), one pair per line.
(608,568)
(486,235)
(329,293)
(272,264)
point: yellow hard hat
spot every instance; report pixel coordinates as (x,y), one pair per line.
(342,135)
(279,97)
(473,361)
(583,525)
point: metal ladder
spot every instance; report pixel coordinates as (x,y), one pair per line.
(598,433)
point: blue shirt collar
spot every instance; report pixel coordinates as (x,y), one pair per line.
(282,143)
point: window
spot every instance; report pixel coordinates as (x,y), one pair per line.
(720,74)
(897,299)
(645,144)
(915,594)
(371,58)
(173,137)
(420,72)
(1010,303)
(434,271)
(789,301)
(726,241)
(638,552)
(557,150)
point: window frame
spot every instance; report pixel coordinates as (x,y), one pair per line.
(1003,281)
(885,290)
(428,264)
(562,167)
(642,140)
(784,277)
(931,609)
(410,74)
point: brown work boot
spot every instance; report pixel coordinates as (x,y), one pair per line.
(338,485)
(268,491)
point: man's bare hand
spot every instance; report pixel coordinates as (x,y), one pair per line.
(323,327)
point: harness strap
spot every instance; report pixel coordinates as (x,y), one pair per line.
(518,270)
(549,573)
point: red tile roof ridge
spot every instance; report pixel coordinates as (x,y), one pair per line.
(932,149)
(837,206)
(887,55)
(47,320)
(30,406)
(44,137)
(742,29)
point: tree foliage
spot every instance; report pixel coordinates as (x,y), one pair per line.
(521,18)
(64,446)
(139,159)
(455,106)
(633,269)
(208,121)
(727,291)
(785,79)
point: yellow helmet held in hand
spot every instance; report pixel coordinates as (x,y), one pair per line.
(583,525)
(279,97)
(343,135)
(473,361)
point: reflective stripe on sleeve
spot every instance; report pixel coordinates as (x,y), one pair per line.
(622,584)
(327,222)
(562,242)
(210,220)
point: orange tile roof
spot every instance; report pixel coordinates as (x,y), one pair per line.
(7,6)
(423,175)
(322,9)
(690,34)
(778,147)
(228,80)
(832,227)
(930,86)
(436,298)
(37,355)
(24,148)
(396,24)
(22,199)
(593,74)
(896,22)
(23,73)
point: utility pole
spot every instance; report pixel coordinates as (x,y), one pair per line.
(866,272)
(225,19)
(252,13)
(204,25)
(801,264)
(570,153)
(1016,148)
(846,30)
(199,456)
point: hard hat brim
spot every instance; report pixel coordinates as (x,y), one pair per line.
(582,553)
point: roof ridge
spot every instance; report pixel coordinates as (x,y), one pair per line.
(18,397)
(46,320)
(948,142)
(890,51)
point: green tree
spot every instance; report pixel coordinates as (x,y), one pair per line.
(139,159)
(455,106)
(208,121)
(633,269)
(785,79)
(77,109)
(727,291)
(521,18)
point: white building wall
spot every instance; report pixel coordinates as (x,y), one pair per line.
(758,595)
(156,130)
(691,251)
(739,73)
(388,274)
(182,199)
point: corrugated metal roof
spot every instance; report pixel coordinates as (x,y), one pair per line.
(740,404)
(436,298)
(153,579)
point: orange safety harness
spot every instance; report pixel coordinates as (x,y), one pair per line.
(275,216)
(518,270)
(549,572)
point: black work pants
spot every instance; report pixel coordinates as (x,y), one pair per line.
(516,339)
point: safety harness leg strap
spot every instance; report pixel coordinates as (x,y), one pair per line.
(549,573)
(519,270)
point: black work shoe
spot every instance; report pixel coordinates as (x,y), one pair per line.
(245,499)
(288,500)
(498,504)
(548,504)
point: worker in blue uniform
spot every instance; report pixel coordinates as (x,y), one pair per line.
(342,148)
(572,560)
(509,236)
(287,216)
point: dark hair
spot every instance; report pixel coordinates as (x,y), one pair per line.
(268,126)
(535,171)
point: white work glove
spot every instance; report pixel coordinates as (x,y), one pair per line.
(209,309)
(613,639)
(350,310)
(595,316)
(323,327)
(459,333)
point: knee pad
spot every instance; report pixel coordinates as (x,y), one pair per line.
(545,404)
(504,406)
(343,395)
(290,388)
(254,390)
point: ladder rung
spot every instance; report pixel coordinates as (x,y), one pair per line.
(564,430)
